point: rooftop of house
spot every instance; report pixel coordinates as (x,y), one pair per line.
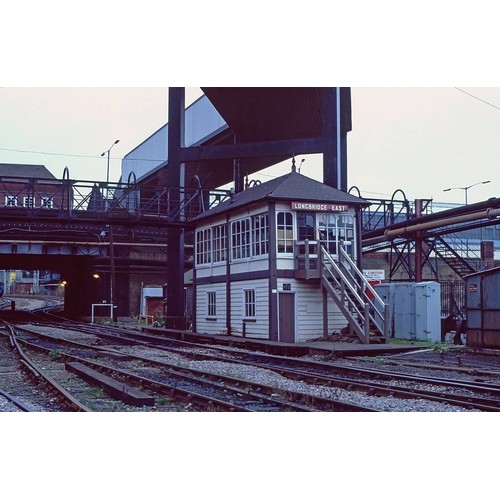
(25,171)
(292,186)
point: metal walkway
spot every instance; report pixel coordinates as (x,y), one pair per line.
(76,201)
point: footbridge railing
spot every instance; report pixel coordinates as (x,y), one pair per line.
(22,198)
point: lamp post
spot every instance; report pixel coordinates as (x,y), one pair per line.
(107,170)
(112,284)
(466,188)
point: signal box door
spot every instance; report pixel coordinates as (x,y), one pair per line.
(286,317)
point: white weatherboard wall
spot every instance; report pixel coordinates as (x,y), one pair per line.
(260,327)
(309,313)
(211,326)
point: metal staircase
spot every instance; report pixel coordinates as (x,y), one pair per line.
(365,311)
(462,266)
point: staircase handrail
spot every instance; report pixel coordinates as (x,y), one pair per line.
(352,312)
(379,316)
(354,267)
(336,267)
(460,246)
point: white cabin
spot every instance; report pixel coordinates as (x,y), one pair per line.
(266,260)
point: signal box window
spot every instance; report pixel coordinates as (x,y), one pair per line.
(285,232)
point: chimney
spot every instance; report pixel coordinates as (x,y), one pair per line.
(488,254)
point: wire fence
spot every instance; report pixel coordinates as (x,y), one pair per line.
(453,299)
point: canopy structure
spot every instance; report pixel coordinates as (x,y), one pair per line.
(231,132)
(265,125)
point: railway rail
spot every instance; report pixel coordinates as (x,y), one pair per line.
(331,374)
(25,385)
(170,379)
(317,374)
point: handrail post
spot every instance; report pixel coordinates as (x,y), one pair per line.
(306,256)
(367,323)
(386,319)
(325,312)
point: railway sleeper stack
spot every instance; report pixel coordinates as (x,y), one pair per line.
(118,390)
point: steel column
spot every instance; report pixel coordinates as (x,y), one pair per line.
(175,236)
(336,110)
(418,245)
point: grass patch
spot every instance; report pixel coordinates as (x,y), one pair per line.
(419,343)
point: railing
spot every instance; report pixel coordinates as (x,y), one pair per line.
(382,213)
(356,298)
(306,259)
(457,255)
(465,250)
(48,198)
(453,298)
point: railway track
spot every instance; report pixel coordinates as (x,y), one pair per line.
(318,374)
(172,381)
(25,386)
(388,383)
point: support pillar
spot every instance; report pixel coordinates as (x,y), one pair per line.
(175,236)
(336,124)
(418,245)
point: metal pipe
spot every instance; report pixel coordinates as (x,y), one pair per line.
(493,213)
(389,234)
(412,228)
(492,203)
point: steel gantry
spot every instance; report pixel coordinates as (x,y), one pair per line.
(416,236)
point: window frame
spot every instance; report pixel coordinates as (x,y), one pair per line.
(211,305)
(203,246)
(29,202)
(219,243)
(260,235)
(241,239)
(47,202)
(10,201)
(343,227)
(287,242)
(249,304)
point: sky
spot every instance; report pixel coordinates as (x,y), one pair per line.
(418,139)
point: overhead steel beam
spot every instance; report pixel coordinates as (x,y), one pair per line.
(252,149)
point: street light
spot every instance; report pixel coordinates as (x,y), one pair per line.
(107,171)
(112,284)
(466,188)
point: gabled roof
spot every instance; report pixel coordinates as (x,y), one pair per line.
(292,186)
(25,171)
